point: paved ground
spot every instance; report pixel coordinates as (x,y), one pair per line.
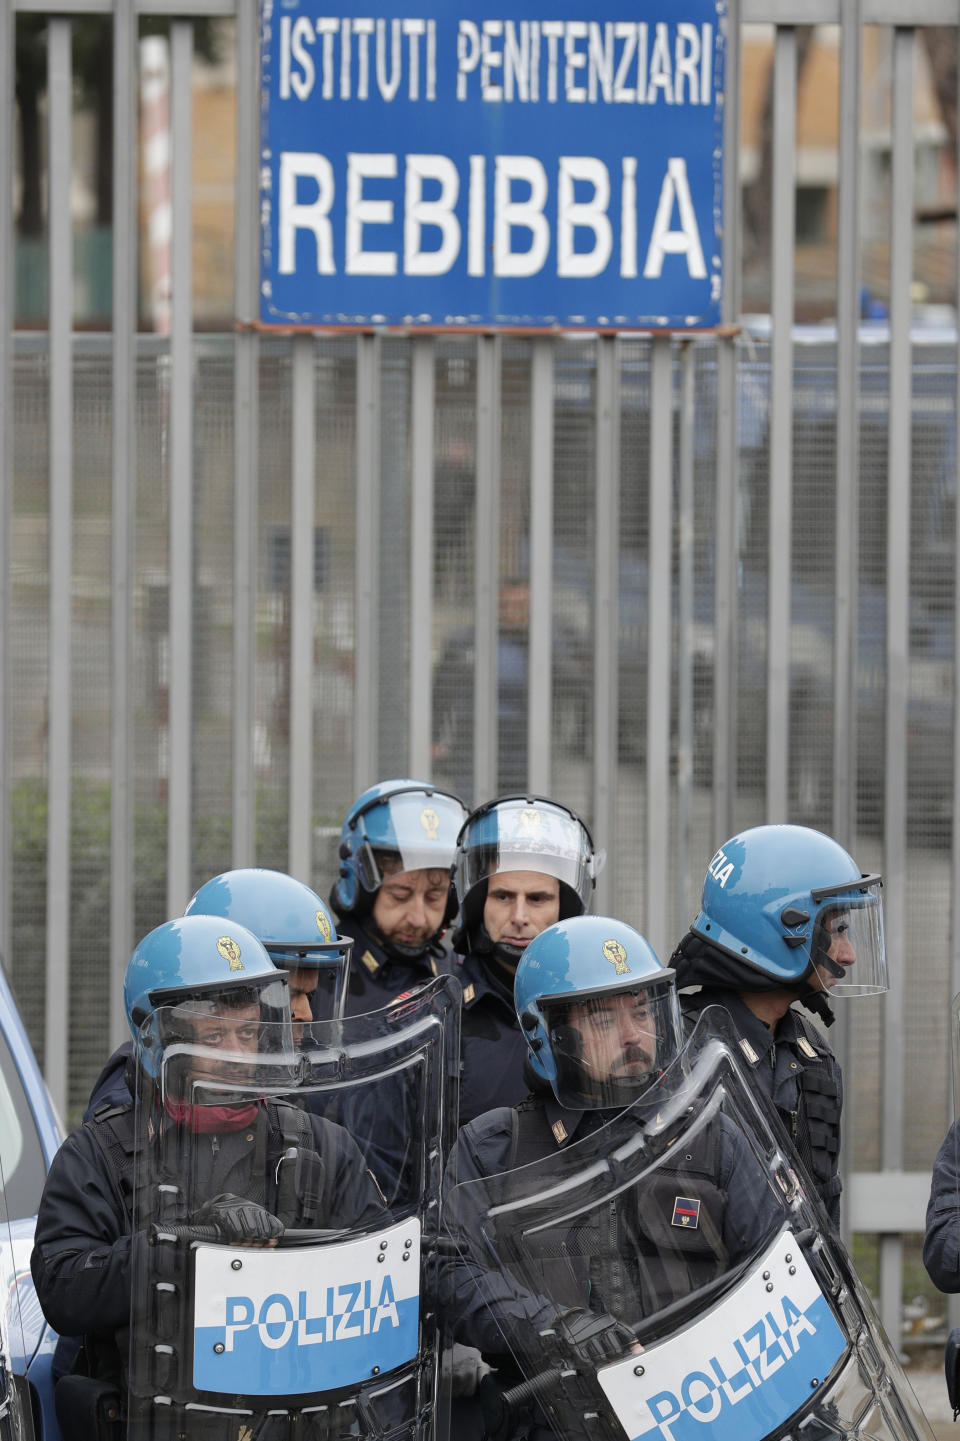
(931,1392)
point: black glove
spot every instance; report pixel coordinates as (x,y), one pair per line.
(500,1421)
(595,1336)
(240,1222)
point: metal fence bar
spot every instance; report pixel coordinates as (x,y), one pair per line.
(725,547)
(59,691)
(7,80)
(659,637)
(606,579)
(302,522)
(898,643)
(421,554)
(124,470)
(486,568)
(686,575)
(847,471)
(780,569)
(847,475)
(180,481)
(367,562)
(953,975)
(246,439)
(539,649)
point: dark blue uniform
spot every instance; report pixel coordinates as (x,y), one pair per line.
(493,1048)
(377,978)
(730,1181)
(81,1254)
(796,1068)
(941,1243)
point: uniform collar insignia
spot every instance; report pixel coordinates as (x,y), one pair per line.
(560,1132)
(469,992)
(805,1049)
(748,1051)
(370,961)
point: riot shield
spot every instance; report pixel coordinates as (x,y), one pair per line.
(286,1213)
(671,1275)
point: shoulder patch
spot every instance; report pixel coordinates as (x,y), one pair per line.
(748,1051)
(686,1212)
(805,1049)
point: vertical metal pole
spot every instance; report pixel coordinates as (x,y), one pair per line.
(421,557)
(539,646)
(725,648)
(685,560)
(953,1302)
(59,694)
(246,441)
(367,552)
(302,521)
(486,569)
(898,645)
(659,632)
(846,529)
(779,568)
(606,616)
(124,489)
(179,808)
(7,79)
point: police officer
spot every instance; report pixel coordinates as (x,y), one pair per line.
(600,1016)
(296,929)
(394,895)
(787,917)
(299,935)
(522,863)
(941,1242)
(216,985)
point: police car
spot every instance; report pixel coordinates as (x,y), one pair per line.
(30,1133)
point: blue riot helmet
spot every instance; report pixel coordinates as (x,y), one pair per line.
(521,833)
(395,826)
(599,1011)
(196,966)
(291,920)
(791,908)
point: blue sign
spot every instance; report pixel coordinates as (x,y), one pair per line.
(475,169)
(307,1319)
(744,1368)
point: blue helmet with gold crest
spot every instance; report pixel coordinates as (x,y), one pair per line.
(291,920)
(199,965)
(599,1011)
(791,908)
(395,826)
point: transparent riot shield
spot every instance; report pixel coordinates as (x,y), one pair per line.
(286,1211)
(670,1275)
(21,1320)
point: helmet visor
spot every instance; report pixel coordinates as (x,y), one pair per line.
(216,1039)
(610,1046)
(410,831)
(847,950)
(525,835)
(330,962)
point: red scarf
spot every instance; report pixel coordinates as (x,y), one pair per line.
(206,1120)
